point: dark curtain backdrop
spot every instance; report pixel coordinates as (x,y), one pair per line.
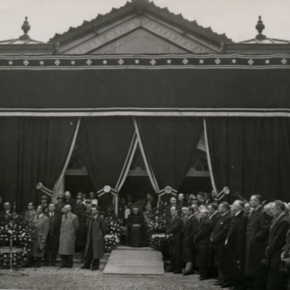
(32,150)
(169,143)
(251,156)
(104,144)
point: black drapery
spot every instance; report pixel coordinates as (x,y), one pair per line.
(169,143)
(104,144)
(125,88)
(251,156)
(32,150)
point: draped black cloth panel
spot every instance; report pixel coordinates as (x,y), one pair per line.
(104,143)
(32,150)
(145,88)
(169,143)
(251,156)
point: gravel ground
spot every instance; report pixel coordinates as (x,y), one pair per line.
(47,278)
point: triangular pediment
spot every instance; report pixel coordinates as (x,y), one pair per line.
(139,27)
(139,41)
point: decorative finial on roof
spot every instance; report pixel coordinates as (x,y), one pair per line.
(25,27)
(140,4)
(260,27)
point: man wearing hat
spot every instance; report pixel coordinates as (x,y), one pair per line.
(60,204)
(44,203)
(79,210)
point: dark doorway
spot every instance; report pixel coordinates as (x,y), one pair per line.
(195,184)
(77,183)
(137,187)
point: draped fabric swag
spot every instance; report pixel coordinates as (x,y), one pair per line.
(104,144)
(32,150)
(169,144)
(251,156)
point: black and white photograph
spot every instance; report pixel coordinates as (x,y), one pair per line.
(145,144)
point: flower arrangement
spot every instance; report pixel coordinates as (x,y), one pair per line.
(17,239)
(114,230)
(156,226)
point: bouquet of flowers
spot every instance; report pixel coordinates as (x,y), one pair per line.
(15,234)
(112,237)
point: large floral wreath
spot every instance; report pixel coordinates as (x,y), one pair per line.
(16,240)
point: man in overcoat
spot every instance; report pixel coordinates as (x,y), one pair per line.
(40,224)
(95,240)
(52,241)
(188,248)
(213,216)
(218,237)
(174,235)
(257,236)
(79,210)
(69,228)
(235,246)
(202,240)
(277,240)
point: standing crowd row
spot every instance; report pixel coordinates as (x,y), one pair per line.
(242,248)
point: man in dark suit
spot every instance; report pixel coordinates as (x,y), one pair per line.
(44,203)
(218,238)
(68,199)
(277,240)
(202,239)
(256,241)
(168,216)
(188,247)
(52,241)
(174,234)
(79,210)
(181,202)
(235,245)
(95,240)
(213,216)
(30,213)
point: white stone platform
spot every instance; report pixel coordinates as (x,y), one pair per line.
(135,261)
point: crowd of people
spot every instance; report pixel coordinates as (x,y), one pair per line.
(65,227)
(245,245)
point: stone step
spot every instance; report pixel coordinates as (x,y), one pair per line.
(134,249)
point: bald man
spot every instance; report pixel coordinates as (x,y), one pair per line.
(68,231)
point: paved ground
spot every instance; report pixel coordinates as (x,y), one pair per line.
(47,278)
